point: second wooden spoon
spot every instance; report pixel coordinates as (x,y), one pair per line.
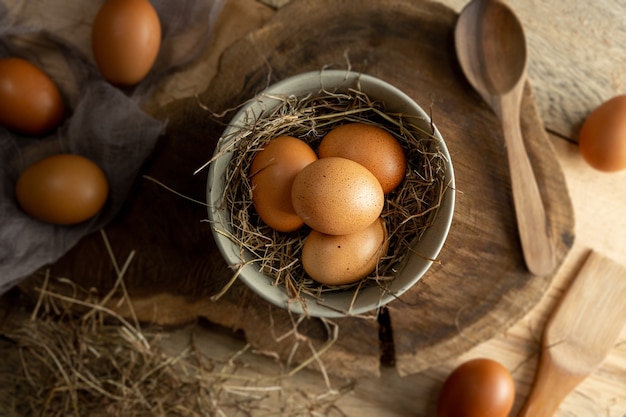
(491,48)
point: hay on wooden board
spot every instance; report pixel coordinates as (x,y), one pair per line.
(73,355)
(408,212)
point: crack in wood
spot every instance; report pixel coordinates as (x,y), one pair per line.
(385,334)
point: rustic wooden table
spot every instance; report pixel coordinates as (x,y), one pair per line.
(576,62)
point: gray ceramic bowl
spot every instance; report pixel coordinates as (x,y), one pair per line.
(336,303)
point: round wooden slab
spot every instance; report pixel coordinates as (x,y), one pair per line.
(478,288)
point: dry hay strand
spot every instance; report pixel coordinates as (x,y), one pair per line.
(94,363)
(408,212)
(74,356)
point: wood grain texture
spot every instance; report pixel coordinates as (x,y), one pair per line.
(578,47)
(480,286)
(579,333)
(572,79)
(574,51)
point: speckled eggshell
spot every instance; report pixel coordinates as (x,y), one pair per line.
(344,259)
(371,146)
(337,196)
(272,173)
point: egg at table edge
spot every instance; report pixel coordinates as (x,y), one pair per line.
(477,388)
(602,138)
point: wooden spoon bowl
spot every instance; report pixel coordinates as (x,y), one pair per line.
(491,49)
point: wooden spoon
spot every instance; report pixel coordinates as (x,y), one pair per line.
(491,48)
(584,326)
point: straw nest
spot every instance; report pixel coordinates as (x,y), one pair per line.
(408,212)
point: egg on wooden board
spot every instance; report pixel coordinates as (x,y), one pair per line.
(602,138)
(477,388)
(62,189)
(30,102)
(337,196)
(344,259)
(126,37)
(272,174)
(371,146)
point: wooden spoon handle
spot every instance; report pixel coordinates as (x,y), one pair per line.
(535,236)
(552,384)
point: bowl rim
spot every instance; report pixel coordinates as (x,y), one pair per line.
(263,285)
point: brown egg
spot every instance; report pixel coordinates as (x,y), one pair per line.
(337,196)
(272,174)
(126,37)
(62,189)
(344,259)
(477,388)
(30,102)
(371,146)
(602,139)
